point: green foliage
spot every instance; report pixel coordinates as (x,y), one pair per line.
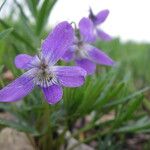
(133,57)
(5,33)
(43,14)
(18,125)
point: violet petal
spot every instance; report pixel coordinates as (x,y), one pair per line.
(101,16)
(57,42)
(86,28)
(53,94)
(17,89)
(103,35)
(98,56)
(69,55)
(87,65)
(70,76)
(22,61)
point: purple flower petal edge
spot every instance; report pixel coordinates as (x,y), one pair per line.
(53,94)
(58,41)
(17,89)
(68,56)
(101,16)
(103,35)
(86,28)
(70,76)
(22,61)
(87,65)
(98,56)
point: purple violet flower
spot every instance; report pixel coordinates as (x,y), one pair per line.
(84,54)
(42,72)
(98,20)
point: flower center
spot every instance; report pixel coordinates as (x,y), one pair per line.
(43,66)
(80,50)
(44,76)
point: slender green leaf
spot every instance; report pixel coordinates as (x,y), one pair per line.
(127,114)
(43,14)
(2,5)
(138,126)
(5,33)
(17,35)
(32,5)
(126,99)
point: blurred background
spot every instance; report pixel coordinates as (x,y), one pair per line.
(128,19)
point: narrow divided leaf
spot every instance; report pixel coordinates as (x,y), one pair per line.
(5,33)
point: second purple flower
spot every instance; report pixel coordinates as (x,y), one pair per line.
(83,53)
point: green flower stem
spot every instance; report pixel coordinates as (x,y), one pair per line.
(46,141)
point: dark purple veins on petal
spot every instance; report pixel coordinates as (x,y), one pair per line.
(58,41)
(17,89)
(53,94)
(70,76)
